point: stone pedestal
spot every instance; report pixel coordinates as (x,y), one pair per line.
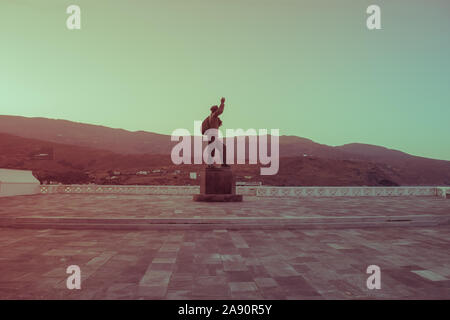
(217,185)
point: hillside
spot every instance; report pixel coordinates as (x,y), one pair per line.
(86,135)
(75,164)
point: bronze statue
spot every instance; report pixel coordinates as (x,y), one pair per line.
(213,122)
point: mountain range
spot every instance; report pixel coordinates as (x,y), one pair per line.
(83,153)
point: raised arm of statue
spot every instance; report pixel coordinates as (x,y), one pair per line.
(221,107)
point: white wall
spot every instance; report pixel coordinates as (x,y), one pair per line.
(18,182)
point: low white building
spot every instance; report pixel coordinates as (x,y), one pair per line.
(18,182)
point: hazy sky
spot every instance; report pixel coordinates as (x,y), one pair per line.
(308,67)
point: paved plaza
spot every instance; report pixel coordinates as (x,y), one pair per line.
(224,263)
(180,206)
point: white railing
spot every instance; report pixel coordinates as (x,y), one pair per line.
(443,192)
(260,191)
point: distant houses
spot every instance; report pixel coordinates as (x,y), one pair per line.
(140,172)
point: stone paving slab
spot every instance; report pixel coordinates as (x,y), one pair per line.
(225,264)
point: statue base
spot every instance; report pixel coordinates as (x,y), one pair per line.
(218,197)
(217,185)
